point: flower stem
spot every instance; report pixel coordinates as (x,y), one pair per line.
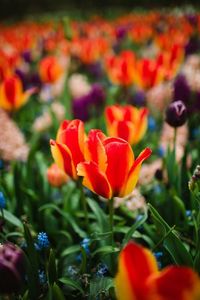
(111,214)
(83,202)
(175,135)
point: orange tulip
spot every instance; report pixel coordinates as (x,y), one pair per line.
(121,69)
(12,96)
(50,70)
(126,122)
(56,177)
(110,168)
(138,278)
(68,149)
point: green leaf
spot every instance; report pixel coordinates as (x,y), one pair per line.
(99,214)
(52,269)
(71,283)
(106,250)
(32,263)
(83,261)
(133,228)
(67,216)
(57,293)
(12,219)
(172,243)
(100,285)
(71,250)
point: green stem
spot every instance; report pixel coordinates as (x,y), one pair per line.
(174,145)
(83,202)
(111,214)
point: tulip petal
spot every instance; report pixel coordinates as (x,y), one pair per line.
(73,137)
(62,127)
(136,264)
(95,150)
(120,158)
(134,172)
(63,158)
(180,283)
(125,130)
(94,179)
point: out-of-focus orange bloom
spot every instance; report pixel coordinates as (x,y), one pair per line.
(12,96)
(121,69)
(110,168)
(68,149)
(56,177)
(138,278)
(89,50)
(126,122)
(50,69)
(149,72)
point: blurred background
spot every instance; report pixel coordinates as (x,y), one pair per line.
(18,9)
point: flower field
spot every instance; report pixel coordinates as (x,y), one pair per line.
(100,157)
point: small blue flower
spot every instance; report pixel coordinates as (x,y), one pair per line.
(72,271)
(139,217)
(85,244)
(151,123)
(42,277)
(188,213)
(196,133)
(2,201)
(42,241)
(102,270)
(161,151)
(1,164)
(157,189)
(158,255)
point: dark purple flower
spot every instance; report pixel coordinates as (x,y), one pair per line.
(89,105)
(12,268)
(95,70)
(192,46)
(121,32)
(181,89)
(23,77)
(176,114)
(27,56)
(35,81)
(192,19)
(138,99)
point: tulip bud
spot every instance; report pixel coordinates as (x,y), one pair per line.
(12,268)
(176,114)
(56,176)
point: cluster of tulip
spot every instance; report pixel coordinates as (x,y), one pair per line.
(116,215)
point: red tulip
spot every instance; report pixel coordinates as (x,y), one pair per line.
(126,122)
(68,149)
(110,168)
(50,69)
(138,278)
(12,96)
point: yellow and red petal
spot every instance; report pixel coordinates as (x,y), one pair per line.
(73,137)
(62,127)
(134,173)
(11,90)
(120,158)
(125,130)
(23,98)
(180,283)
(113,113)
(94,179)
(63,158)
(94,150)
(136,264)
